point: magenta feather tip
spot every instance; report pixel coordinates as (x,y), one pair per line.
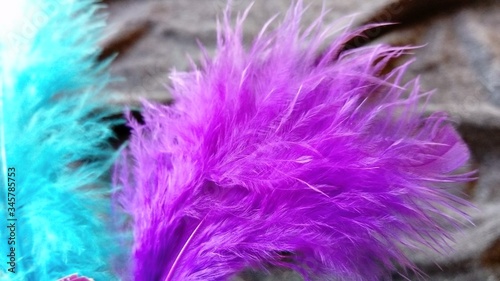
(287,154)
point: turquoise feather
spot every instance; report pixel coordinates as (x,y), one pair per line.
(55,134)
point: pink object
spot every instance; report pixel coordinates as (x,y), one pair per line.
(75,277)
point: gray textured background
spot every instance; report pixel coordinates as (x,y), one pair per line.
(460,59)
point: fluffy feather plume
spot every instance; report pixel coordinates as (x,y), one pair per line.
(53,136)
(287,154)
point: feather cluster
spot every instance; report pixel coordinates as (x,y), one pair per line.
(53,132)
(289,154)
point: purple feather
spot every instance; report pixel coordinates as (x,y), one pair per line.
(291,155)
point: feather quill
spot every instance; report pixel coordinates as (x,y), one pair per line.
(290,155)
(55,136)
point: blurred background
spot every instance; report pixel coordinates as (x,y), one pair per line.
(459,57)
